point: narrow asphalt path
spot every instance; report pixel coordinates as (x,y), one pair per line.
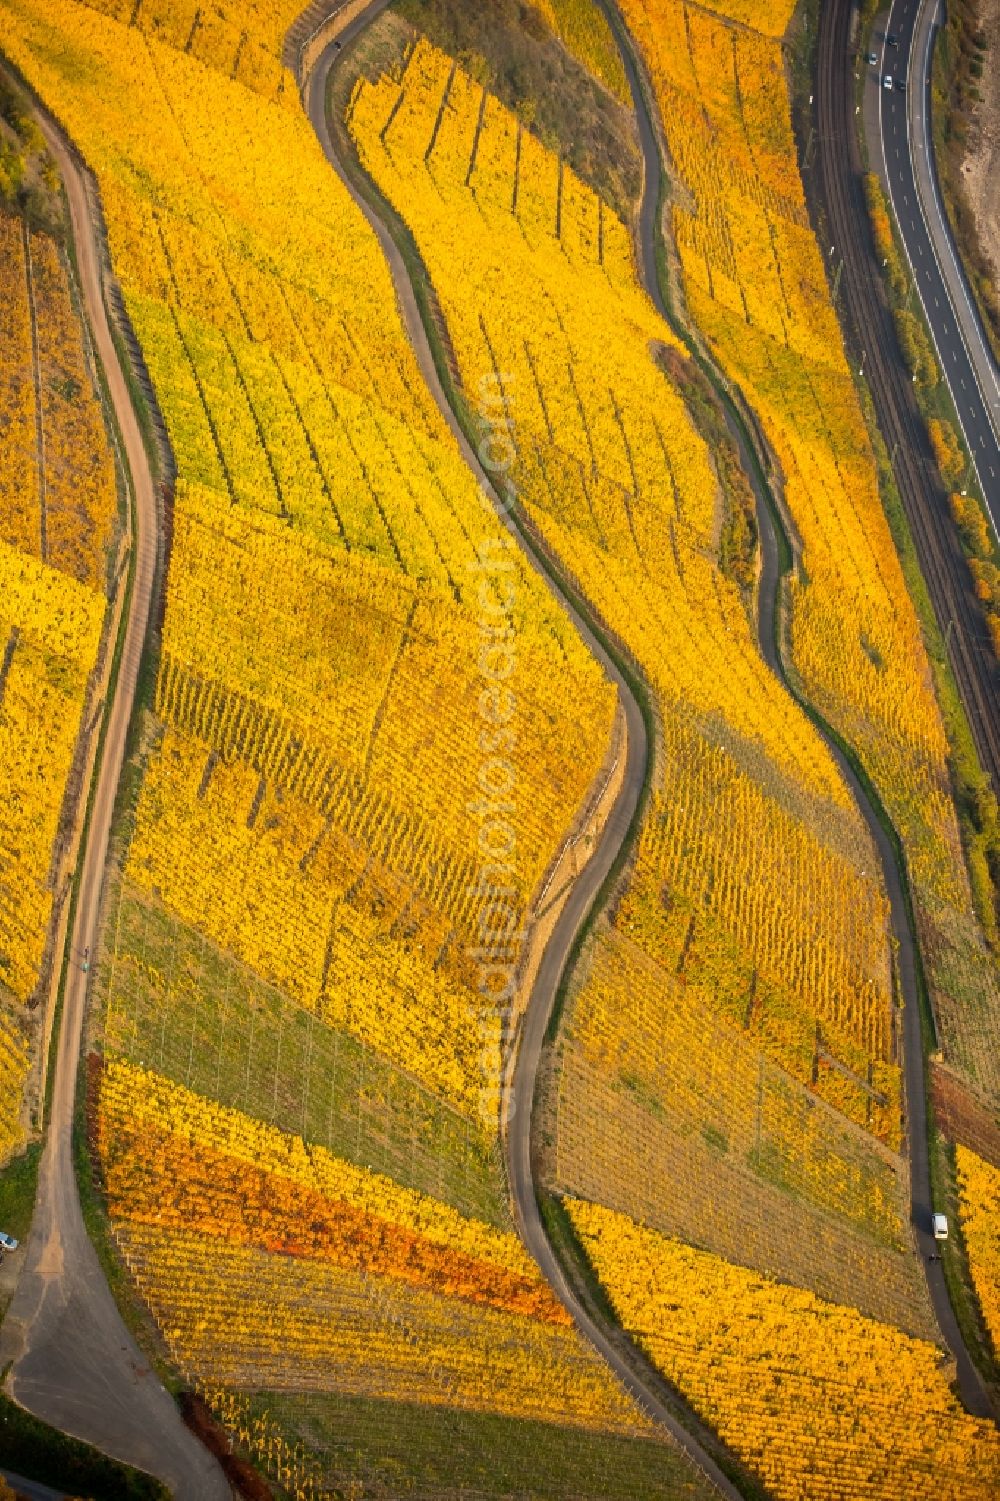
(629,1365)
(903,155)
(74,1363)
(973,1391)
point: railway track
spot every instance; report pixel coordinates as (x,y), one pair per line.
(840,183)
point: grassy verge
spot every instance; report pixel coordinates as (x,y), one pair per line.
(955,1262)
(18,1182)
(31,1448)
(916,343)
(17,1191)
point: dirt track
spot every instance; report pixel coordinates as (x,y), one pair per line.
(74,1363)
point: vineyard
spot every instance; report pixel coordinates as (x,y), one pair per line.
(370,734)
(752,1355)
(755,287)
(787,962)
(268,1262)
(310,1443)
(979,1199)
(241,38)
(616,475)
(290,971)
(58,507)
(728,1072)
(683,1100)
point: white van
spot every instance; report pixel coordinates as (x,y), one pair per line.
(940,1227)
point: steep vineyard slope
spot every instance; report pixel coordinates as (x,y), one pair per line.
(725,1077)
(755,286)
(623,489)
(754,1355)
(371,731)
(58,517)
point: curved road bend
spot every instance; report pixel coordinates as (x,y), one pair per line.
(970,1383)
(903,154)
(942,562)
(75,1365)
(636,1374)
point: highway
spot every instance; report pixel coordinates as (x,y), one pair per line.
(902,154)
(73,1361)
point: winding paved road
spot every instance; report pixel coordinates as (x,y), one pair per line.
(629,1365)
(75,1365)
(900,149)
(970,1382)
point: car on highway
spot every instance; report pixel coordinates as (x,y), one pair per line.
(7,1241)
(892,39)
(901,82)
(887,81)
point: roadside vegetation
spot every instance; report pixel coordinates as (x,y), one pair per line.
(976,800)
(960,57)
(29,180)
(31,1448)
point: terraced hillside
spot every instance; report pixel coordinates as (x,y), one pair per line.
(725,1074)
(753,280)
(313,866)
(373,744)
(58,525)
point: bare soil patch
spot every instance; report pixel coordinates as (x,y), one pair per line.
(962,1117)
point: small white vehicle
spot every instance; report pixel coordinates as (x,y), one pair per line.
(940,1224)
(887,81)
(7,1241)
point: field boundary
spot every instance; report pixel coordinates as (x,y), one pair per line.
(603,871)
